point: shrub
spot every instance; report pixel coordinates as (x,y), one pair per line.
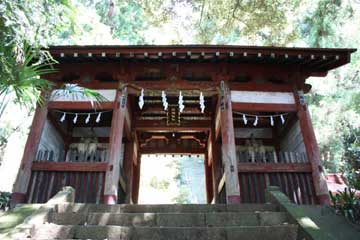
(5,200)
(346,204)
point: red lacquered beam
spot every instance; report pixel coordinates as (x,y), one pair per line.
(273,168)
(69,166)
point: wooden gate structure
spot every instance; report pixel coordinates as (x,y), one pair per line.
(255,130)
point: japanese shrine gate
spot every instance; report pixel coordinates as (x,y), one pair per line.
(255,130)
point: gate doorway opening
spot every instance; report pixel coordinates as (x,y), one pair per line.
(172,179)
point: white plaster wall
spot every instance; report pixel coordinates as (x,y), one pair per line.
(51,141)
(109,94)
(262,97)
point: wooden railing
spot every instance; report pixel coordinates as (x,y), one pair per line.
(250,156)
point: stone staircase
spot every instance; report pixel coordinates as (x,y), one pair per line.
(198,222)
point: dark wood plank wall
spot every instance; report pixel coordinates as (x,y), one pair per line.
(298,187)
(45,184)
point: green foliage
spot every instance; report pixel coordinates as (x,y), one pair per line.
(254,21)
(4,200)
(76,92)
(22,34)
(182,197)
(321,22)
(162,184)
(21,77)
(346,204)
(125,18)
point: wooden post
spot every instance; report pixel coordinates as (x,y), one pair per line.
(116,135)
(208,179)
(312,149)
(228,147)
(30,151)
(136,179)
(216,170)
(128,169)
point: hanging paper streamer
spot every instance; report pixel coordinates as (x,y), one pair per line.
(75,118)
(244,119)
(202,101)
(271,121)
(63,117)
(87,119)
(256,121)
(164,100)
(181,102)
(98,118)
(282,119)
(141,99)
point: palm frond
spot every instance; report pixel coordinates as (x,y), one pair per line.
(21,75)
(76,92)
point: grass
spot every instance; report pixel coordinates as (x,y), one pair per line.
(14,217)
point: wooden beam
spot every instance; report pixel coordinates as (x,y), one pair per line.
(65,105)
(263,107)
(70,166)
(180,84)
(177,150)
(228,146)
(192,126)
(273,168)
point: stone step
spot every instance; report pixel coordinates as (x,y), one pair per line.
(52,231)
(217,219)
(186,208)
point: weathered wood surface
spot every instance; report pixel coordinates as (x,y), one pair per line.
(297,186)
(273,167)
(263,107)
(30,151)
(293,140)
(229,148)
(312,150)
(116,135)
(88,186)
(70,166)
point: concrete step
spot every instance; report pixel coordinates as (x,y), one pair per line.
(199,219)
(186,208)
(52,231)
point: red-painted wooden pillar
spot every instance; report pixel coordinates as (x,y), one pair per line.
(23,177)
(129,168)
(208,179)
(228,147)
(116,135)
(312,149)
(136,178)
(216,169)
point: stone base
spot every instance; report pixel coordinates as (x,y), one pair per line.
(233,199)
(110,199)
